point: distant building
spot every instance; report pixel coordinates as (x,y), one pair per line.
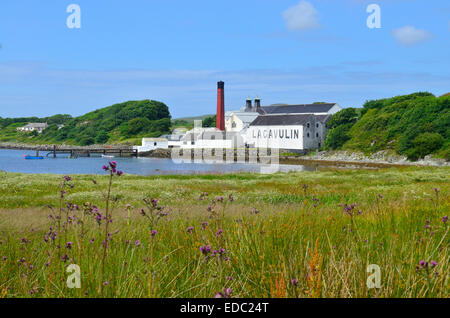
(296,127)
(39,127)
(290,127)
(149,144)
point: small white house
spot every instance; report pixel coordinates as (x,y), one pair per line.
(149,144)
(39,127)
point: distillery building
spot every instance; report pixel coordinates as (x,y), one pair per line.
(290,127)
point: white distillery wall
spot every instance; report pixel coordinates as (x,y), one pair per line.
(285,137)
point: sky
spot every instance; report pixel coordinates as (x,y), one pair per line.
(175,51)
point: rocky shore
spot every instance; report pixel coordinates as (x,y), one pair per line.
(381,157)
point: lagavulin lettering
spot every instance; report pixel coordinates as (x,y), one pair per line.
(276,133)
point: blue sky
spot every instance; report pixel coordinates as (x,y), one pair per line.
(285,51)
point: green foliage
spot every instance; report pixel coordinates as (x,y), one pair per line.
(336,137)
(339,126)
(395,123)
(424,144)
(116,123)
(209,121)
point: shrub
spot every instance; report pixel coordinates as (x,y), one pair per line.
(425,144)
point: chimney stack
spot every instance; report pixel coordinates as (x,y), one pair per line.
(248,105)
(257,107)
(220,116)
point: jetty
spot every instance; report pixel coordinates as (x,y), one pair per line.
(88,152)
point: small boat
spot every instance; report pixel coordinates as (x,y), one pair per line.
(33,157)
(106,156)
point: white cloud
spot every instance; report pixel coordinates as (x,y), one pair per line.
(409,35)
(302,16)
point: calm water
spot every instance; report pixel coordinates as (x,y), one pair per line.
(13,161)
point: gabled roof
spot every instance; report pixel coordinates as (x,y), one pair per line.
(245,117)
(298,109)
(282,120)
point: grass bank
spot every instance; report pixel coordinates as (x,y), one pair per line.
(309,234)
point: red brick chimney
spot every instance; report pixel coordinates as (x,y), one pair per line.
(220,118)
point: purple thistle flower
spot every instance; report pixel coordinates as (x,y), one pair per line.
(69,245)
(154,232)
(105,168)
(294,282)
(190,229)
(137,243)
(444,219)
(433,263)
(119,173)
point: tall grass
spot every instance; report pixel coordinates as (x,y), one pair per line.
(287,235)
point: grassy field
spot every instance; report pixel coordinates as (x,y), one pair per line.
(309,234)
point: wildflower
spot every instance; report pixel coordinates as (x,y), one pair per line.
(294,282)
(128,206)
(113,164)
(47,264)
(92,240)
(65,258)
(105,168)
(205,249)
(67,178)
(433,263)
(119,173)
(106,283)
(219,232)
(190,229)
(154,232)
(220,199)
(137,243)
(226,293)
(444,219)
(231,198)
(69,245)
(204,225)
(229,278)
(254,211)
(380,196)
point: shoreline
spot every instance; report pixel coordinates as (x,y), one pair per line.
(381,159)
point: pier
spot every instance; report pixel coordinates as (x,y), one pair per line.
(88,152)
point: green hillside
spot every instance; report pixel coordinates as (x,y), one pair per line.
(414,125)
(118,123)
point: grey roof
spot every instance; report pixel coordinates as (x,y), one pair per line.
(323,118)
(281,120)
(298,109)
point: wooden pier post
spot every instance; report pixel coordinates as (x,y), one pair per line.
(54,151)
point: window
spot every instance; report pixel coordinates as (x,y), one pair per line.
(233,124)
(307,126)
(317,125)
(154,144)
(317,135)
(307,135)
(213,137)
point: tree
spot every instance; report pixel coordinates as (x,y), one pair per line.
(209,121)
